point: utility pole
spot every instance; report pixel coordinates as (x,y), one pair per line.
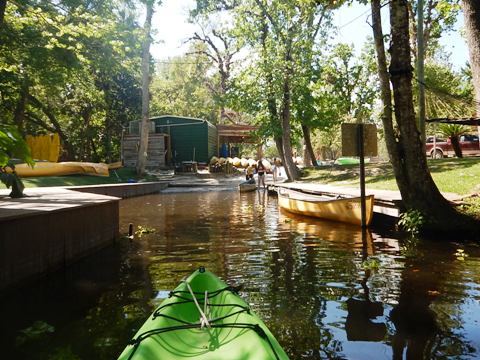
(421,73)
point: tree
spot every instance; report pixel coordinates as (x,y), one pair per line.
(3,5)
(180,86)
(405,149)
(145,124)
(439,17)
(471,11)
(281,35)
(220,50)
(12,146)
(71,68)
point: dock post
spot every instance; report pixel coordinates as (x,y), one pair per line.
(361,155)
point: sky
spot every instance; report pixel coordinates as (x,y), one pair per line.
(170,22)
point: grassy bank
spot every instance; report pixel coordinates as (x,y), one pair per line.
(460,176)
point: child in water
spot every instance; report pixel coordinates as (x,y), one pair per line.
(249,172)
(261,170)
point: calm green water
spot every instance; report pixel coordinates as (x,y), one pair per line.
(325,290)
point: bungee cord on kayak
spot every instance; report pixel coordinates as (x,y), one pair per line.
(206,322)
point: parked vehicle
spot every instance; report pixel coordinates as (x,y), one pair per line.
(469,145)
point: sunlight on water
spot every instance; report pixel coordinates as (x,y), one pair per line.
(326,290)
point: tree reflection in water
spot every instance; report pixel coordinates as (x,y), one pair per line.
(311,281)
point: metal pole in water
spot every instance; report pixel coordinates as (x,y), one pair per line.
(130,231)
(361,151)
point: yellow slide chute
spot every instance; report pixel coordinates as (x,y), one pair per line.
(44,147)
(45,150)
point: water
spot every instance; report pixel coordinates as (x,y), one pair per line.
(325,290)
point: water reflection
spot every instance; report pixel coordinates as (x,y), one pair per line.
(326,290)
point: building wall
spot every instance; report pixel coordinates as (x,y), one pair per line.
(190,139)
(212,141)
(155,152)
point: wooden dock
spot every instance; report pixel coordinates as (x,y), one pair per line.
(51,228)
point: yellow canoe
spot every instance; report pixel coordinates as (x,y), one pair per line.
(346,210)
(62,168)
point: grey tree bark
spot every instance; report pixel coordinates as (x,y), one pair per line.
(290,167)
(145,123)
(309,157)
(471,12)
(417,188)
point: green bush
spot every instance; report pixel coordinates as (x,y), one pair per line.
(12,146)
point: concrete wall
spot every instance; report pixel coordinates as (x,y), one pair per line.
(123,190)
(32,245)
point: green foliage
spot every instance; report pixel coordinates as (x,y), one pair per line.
(345,89)
(412,221)
(461,255)
(71,69)
(181,87)
(452,130)
(37,330)
(409,247)
(440,17)
(12,146)
(371,264)
(143,230)
(471,205)
(448,92)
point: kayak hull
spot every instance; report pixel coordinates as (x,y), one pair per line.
(173,331)
(247,187)
(61,169)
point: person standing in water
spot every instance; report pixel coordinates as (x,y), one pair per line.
(249,173)
(261,170)
(275,169)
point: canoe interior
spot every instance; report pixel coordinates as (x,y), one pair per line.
(346,210)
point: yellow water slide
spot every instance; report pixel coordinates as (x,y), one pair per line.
(44,147)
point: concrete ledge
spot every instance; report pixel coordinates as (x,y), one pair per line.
(123,190)
(50,229)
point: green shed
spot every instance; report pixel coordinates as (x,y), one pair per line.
(191,139)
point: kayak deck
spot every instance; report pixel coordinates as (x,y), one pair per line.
(177,329)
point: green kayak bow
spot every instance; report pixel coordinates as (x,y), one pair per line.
(203,319)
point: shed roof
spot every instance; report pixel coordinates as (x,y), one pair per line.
(236,133)
(460,121)
(178,117)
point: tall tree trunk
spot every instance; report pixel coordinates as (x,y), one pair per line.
(19,114)
(471,11)
(145,124)
(456,146)
(290,167)
(308,146)
(3,6)
(415,183)
(385,92)
(271,100)
(279,144)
